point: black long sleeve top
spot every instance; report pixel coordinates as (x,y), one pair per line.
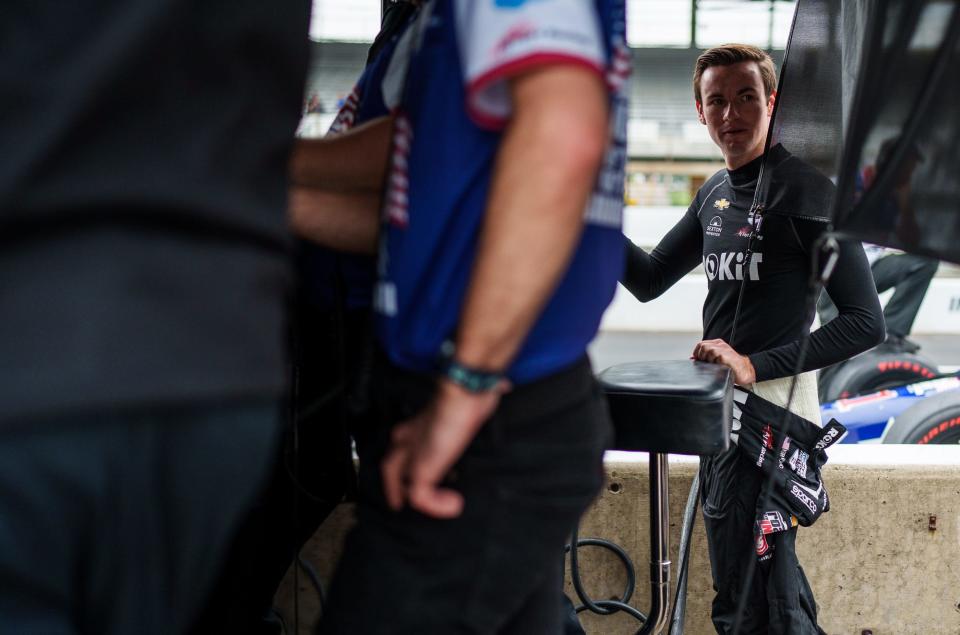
(773,318)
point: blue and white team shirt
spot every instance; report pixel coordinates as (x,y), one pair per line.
(451,111)
(375,93)
(322,267)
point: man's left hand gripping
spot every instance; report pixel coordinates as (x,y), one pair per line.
(719,352)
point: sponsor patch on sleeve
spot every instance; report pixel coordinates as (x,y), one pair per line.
(500,38)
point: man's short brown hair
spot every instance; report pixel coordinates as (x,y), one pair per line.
(732,54)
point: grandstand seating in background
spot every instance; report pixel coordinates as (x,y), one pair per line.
(663,122)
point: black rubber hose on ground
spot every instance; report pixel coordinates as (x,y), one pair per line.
(602,607)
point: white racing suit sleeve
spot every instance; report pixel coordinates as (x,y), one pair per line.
(501,38)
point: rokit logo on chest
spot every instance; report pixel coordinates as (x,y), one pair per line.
(729,266)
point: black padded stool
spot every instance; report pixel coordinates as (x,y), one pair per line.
(679,407)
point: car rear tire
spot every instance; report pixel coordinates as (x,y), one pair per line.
(873,371)
(935,420)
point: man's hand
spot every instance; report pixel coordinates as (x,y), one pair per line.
(424,448)
(719,352)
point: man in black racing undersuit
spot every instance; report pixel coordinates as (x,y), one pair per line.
(734,89)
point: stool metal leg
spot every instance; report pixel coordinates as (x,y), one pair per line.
(659,615)
(659,545)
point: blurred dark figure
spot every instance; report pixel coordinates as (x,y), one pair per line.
(908,275)
(333,344)
(145,268)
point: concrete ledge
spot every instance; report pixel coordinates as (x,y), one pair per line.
(873,561)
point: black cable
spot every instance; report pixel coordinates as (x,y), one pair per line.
(293,470)
(300,416)
(757,210)
(686,533)
(755,218)
(296,497)
(277,617)
(317,404)
(765,498)
(825,244)
(315,581)
(393,20)
(609,607)
(602,607)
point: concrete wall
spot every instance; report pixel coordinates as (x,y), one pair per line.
(873,561)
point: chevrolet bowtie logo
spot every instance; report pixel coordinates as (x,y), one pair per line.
(721,203)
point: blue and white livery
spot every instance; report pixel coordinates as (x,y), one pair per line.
(451,112)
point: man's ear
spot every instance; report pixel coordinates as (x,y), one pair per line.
(700,113)
(771,100)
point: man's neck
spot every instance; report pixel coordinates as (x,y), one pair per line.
(734,163)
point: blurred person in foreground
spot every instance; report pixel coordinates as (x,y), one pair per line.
(734,87)
(313,470)
(499,250)
(145,269)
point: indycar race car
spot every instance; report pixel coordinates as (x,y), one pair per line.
(892,398)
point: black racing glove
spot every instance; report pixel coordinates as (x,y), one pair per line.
(790,448)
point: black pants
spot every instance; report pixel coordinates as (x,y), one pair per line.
(528,476)
(115,523)
(780,601)
(302,490)
(909,275)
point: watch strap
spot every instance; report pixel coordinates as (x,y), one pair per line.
(467,377)
(471,379)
